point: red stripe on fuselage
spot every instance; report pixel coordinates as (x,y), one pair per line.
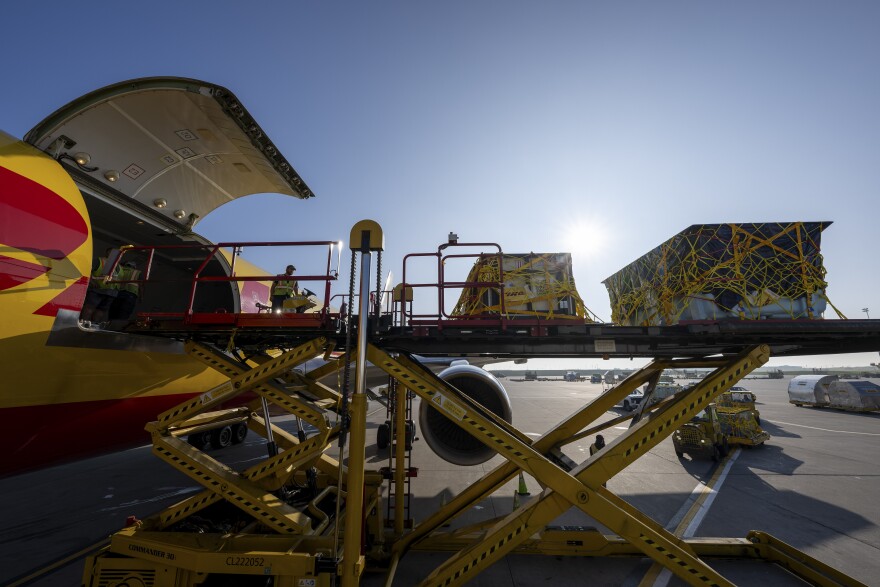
(37,436)
(15,272)
(35,219)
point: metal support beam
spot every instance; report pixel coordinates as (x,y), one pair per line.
(583,487)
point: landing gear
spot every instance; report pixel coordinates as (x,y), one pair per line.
(239,433)
(221,437)
(383,434)
(198,439)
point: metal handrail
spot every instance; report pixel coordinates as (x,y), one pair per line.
(408,317)
(213,251)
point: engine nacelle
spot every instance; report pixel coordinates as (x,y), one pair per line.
(449,441)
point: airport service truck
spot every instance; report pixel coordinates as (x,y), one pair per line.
(702,436)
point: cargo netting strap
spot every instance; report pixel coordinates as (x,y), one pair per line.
(539,285)
(745,271)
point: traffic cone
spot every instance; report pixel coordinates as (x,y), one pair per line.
(522,490)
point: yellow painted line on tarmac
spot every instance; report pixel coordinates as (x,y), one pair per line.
(34,575)
(659,576)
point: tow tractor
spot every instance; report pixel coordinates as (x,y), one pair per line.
(702,436)
(304,516)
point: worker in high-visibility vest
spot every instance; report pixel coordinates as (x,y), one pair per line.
(283,289)
(597,446)
(128,291)
(100,294)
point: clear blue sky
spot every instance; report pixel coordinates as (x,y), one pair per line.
(599,128)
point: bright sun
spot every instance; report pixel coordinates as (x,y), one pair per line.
(585,239)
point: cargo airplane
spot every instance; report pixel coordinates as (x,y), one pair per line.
(135,163)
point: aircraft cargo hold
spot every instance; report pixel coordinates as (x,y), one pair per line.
(746,271)
(533,284)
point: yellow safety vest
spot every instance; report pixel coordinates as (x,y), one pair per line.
(285,288)
(98,275)
(128,274)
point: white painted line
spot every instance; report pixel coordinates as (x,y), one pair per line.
(665,575)
(824,429)
(713,492)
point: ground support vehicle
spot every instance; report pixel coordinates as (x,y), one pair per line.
(633,400)
(739,398)
(702,436)
(742,426)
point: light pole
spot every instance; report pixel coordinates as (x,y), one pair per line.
(865,310)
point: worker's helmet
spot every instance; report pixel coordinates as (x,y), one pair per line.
(291,267)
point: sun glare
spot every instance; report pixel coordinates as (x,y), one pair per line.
(585,239)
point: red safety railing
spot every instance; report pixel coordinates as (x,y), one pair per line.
(216,252)
(405,310)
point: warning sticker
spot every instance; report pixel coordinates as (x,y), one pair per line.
(449,406)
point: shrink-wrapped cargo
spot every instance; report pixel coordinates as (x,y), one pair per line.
(719,271)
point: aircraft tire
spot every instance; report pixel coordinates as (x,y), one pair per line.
(239,433)
(198,440)
(382,436)
(221,437)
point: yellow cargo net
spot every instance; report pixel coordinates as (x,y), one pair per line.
(539,285)
(739,423)
(746,271)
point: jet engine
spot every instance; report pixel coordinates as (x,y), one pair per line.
(451,442)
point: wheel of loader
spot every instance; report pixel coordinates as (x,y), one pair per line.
(725,447)
(716,453)
(221,437)
(239,433)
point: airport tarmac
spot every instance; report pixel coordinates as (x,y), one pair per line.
(814,485)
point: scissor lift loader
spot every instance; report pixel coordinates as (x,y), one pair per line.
(334,530)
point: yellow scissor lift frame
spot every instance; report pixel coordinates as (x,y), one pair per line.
(477,547)
(300,546)
(296,545)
